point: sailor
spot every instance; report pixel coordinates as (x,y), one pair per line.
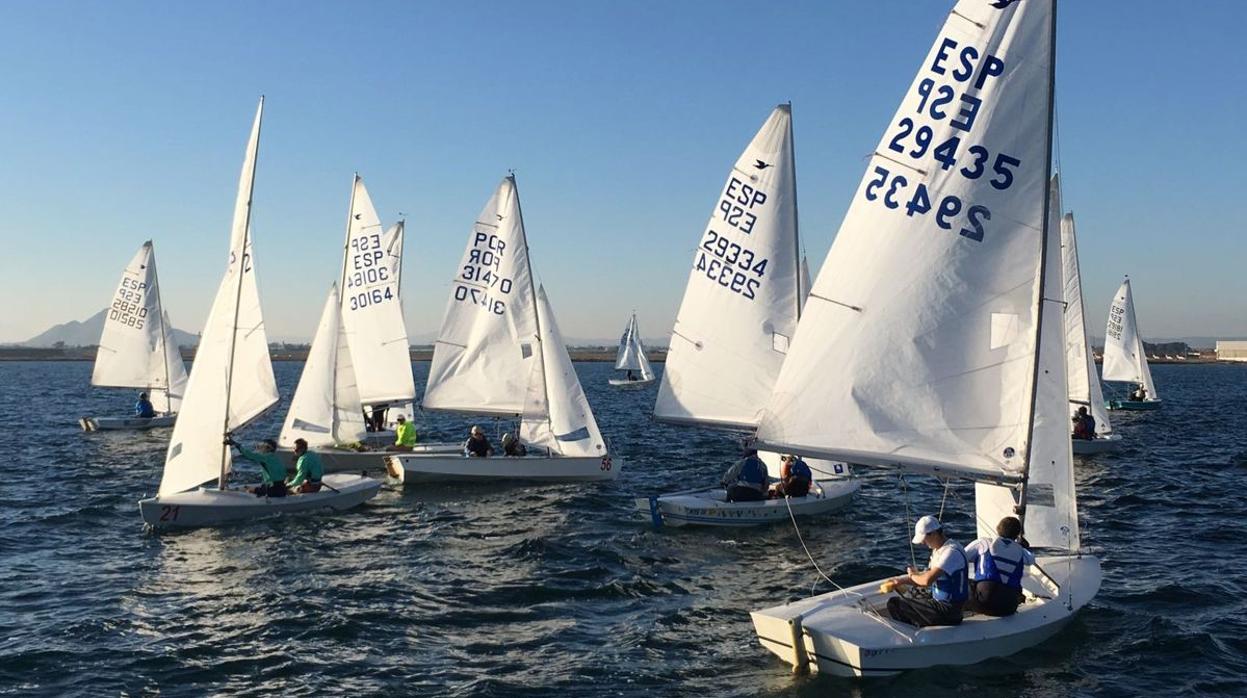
(376,420)
(746,481)
(1139,394)
(795,477)
(404,435)
(272,472)
(143,408)
(630,376)
(1084,424)
(512,446)
(477,446)
(308,469)
(946,575)
(999,564)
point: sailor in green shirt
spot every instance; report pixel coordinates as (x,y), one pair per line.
(404,435)
(271,469)
(308,470)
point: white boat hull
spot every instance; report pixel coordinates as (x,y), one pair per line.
(625,383)
(365,462)
(417,467)
(126,423)
(212,507)
(832,633)
(710,508)
(1089,447)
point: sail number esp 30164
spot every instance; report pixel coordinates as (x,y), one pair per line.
(368,278)
(948,103)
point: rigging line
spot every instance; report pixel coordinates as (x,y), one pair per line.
(944,498)
(913,558)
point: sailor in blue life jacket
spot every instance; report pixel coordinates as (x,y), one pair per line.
(143,408)
(795,477)
(999,564)
(946,575)
(746,481)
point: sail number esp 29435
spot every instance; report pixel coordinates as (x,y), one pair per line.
(946,103)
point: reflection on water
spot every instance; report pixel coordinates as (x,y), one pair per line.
(483,589)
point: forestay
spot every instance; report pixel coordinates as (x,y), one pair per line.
(231,381)
(631,355)
(137,349)
(557,416)
(741,304)
(1124,357)
(371,311)
(486,349)
(326,408)
(1084,382)
(918,344)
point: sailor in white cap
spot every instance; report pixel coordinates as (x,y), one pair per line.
(946,576)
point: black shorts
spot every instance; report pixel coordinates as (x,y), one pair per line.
(276,489)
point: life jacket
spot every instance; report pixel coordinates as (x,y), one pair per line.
(798,468)
(752,473)
(954,585)
(1001,563)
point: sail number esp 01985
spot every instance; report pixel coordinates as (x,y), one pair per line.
(948,103)
(729,264)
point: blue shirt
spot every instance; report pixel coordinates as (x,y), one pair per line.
(144,409)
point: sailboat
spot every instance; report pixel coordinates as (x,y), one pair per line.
(500,354)
(1124,356)
(359,358)
(740,309)
(231,384)
(137,349)
(939,307)
(1084,383)
(631,358)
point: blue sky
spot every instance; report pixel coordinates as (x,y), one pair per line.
(124,121)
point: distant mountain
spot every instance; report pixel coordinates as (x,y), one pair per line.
(87,333)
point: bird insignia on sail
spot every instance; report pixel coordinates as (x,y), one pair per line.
(358,216)
(1002,4)
(761,165)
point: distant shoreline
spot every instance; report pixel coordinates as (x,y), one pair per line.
(88,354)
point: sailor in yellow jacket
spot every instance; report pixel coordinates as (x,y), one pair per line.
(404,435)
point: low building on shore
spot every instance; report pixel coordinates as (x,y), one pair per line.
(1231,350)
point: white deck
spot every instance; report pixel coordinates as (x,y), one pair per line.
(625,383)
(126,423)
(418,467)
(839,637)
(1088,447)
(709,507)
(337,460)
(208,506)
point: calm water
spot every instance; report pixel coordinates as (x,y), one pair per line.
(527,591)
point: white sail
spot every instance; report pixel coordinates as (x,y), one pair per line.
(1124,357)
(371,311)
(918,343)
(1050,514)
(137,349)
(486,348)
(631,354)
(231,381)
(741,303)
(326,408)
(558,417)
(1084,383)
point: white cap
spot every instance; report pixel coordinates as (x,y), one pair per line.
(925,525)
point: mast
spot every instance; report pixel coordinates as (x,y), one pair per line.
(532,290)
(242,271)
(402,232)
(1043,266)
(346,251)
(796,217)
(160,313)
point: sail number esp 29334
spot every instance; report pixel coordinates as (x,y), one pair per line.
(946,106)
(732,265)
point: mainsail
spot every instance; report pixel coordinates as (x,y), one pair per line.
(1124,357)
(326,409)
(631,354)
(231,381)
(137,349)
(742,302)
(486,349)
(372,314)
(1084,383)
(919,345)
